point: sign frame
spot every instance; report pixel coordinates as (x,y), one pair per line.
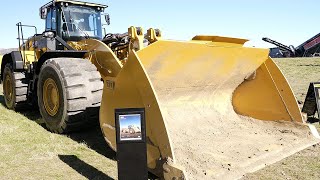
(130,112)
(132,153)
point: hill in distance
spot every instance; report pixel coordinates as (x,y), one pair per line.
(5,51)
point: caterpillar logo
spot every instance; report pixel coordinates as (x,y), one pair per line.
(110,84)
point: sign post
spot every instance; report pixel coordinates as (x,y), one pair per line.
(131,144)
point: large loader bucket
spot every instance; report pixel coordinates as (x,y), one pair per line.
(214,109)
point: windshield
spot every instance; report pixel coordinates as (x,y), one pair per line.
(80,21)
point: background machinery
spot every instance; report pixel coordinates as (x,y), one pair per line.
(310,48)
(284,50)
(210,103)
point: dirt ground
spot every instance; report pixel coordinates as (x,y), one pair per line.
(302,165)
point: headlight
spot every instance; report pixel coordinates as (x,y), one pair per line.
(48,34)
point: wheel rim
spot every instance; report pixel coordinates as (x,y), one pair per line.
(51,97)
(8,89)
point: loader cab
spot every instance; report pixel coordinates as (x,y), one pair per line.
(73,20)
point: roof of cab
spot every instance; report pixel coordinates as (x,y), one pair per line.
(76,3)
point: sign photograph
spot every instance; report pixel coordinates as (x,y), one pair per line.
(130,127)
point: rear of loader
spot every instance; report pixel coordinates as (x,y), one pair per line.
(214,109)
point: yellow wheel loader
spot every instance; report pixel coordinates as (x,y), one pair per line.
(213,108)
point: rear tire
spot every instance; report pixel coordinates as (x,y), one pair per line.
(15,88)
(69,94)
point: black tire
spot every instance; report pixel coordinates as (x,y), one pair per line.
(80,90)
(17,97)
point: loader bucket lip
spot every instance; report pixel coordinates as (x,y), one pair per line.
(220,39)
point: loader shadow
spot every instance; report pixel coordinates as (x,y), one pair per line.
(30,112)
(83,168)
(94,139)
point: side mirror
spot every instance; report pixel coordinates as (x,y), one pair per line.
(43,13)
(107,18)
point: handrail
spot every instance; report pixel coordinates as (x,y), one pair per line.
(22,41)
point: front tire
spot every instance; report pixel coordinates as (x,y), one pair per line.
(69,94)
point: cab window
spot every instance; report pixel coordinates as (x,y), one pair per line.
(49,20)
(53,20)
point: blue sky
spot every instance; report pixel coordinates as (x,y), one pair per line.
(125,121)
(287,21)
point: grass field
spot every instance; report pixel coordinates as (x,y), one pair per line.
(29,151)
(300,72)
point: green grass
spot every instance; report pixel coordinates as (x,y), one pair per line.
(300,72)
(29,151)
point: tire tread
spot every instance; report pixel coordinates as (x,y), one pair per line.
(83,88)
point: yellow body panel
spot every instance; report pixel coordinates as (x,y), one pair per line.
(190,89)
(29,56)
(100,55)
